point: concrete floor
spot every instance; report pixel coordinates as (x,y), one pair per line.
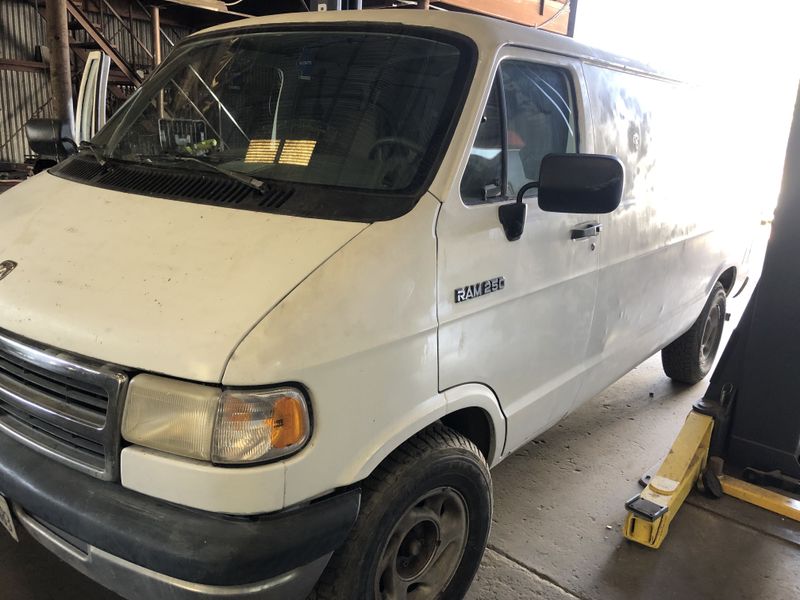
(559,513)
(558,516)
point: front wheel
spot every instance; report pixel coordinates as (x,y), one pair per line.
(689,358)
(423,527)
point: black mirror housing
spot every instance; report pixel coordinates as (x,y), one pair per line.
(580,183)
(50,139)
(512,218)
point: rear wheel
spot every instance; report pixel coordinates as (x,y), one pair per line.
(424,522)
(689,358)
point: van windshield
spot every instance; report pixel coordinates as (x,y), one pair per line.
(367,111)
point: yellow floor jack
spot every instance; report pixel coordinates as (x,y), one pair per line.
(688,465)
(749,418)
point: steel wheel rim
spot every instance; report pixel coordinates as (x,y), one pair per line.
(424,549)
(709,341)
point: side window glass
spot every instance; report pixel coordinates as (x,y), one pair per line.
(482,179)
(540,115)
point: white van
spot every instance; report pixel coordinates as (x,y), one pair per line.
(268,332)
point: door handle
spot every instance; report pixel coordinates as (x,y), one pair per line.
(586,231)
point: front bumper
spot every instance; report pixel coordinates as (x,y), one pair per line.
(143,548)
(135,582)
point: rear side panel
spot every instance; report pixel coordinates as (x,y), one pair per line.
(659,252)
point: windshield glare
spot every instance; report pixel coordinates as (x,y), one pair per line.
(346,109)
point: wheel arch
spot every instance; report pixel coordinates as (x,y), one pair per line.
(474,424)
(474,411)
(728,279)
(471,409)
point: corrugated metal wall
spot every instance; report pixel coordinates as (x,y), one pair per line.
(25,95)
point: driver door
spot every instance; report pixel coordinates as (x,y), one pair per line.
(516,316)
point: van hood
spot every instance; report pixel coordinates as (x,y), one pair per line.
(153,284)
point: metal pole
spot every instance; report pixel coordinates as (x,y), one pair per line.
(155,19)
(424,4)
(573,14)
(60,73)
(132,37)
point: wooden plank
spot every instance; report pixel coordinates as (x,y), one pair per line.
(525,12)
(10,64)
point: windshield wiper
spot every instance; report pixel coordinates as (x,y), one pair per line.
(95,149)
(251,182)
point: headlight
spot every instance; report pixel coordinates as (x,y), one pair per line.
(228,426)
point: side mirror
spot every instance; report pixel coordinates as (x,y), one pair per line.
(512,218)
(580,183)
(50,139)
(568,183)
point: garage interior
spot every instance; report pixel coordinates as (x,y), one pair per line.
(560,502)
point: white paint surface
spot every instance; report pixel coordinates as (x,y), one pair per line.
(363,316)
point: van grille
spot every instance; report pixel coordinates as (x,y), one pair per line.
(62,406)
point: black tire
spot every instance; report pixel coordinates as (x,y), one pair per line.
(438,461)
(689,358)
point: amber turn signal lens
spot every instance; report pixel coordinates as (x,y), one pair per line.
(287,422)
(254,426)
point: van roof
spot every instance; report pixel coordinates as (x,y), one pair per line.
(489,33)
